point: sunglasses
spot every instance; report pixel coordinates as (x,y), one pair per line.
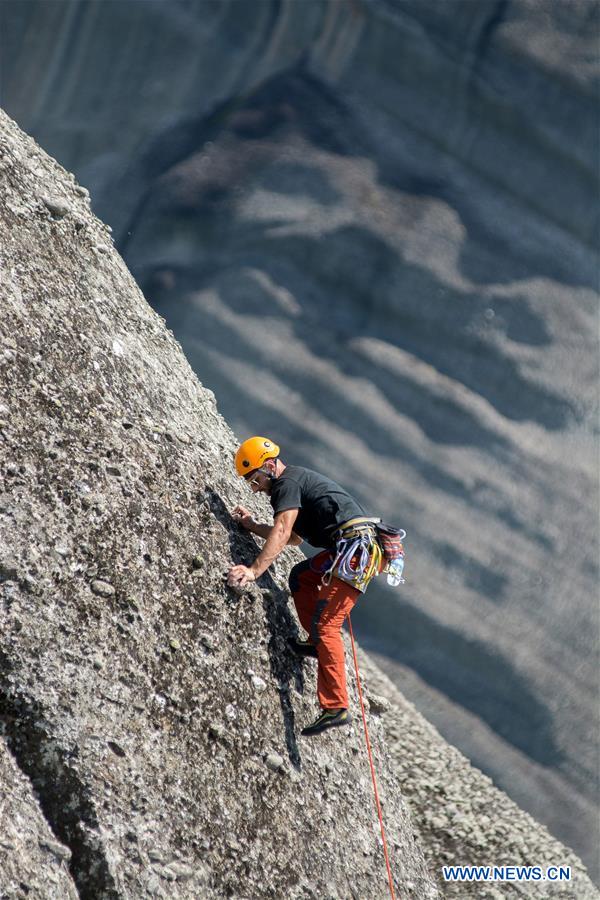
(255,480)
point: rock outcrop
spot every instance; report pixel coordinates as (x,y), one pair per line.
(153,710)
(371,226)
(32,862)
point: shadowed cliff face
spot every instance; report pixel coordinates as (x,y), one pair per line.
(371,227)
(153,714)
(342,313)
(154,711)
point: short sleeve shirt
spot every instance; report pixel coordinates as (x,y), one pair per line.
(322,504)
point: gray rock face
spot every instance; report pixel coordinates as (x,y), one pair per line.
(33,863)
(459,813)
(139,695)
(153,711)
(371,227)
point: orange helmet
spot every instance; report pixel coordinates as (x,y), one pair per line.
(252,454)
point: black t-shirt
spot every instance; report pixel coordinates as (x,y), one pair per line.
(321,503)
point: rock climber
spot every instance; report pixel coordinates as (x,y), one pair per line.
(311,507)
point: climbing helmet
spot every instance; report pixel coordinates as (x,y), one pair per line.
(253,453)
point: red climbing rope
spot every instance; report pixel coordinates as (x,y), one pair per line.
(364,718)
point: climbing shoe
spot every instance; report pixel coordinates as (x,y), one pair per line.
(303,648)
(329,718)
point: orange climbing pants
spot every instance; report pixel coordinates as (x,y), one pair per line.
(322,610)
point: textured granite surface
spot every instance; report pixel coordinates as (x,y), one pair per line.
(370,225)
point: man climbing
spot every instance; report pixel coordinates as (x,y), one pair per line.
(308,506)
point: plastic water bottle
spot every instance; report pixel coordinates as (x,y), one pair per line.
(395,569)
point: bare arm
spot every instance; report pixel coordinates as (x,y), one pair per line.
(264,531)
(244,517)
(279,535)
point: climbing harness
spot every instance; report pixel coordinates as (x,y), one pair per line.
(364,548)
(368,742)
(358,554)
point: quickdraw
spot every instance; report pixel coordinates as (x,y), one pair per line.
(358,554)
